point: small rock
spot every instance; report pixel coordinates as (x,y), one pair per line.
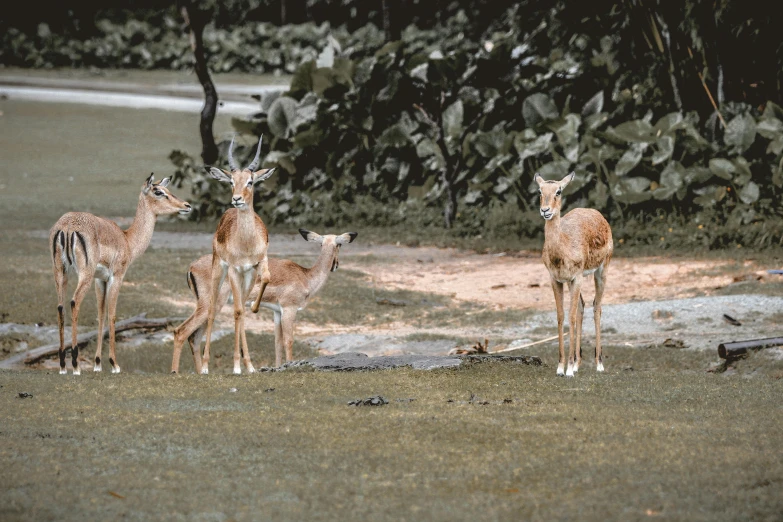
(405,400)
(370,401)
(269,390)
(508,401)
(232,390)
(25,395)
(662,315)
(673,343)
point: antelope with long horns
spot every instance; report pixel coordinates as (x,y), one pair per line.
(290,288)
(239,250)
(96,248)
(576,245)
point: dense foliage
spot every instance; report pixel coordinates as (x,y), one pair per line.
(438,120)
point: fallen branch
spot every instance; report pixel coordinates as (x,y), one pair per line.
(736,349)
(36,354)
(530,344)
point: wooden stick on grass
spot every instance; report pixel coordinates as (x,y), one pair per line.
(36,354)
(530,344)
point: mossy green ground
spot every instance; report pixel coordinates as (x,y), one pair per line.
(678,443)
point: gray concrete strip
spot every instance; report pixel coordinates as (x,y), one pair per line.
(226,91)
(113,99)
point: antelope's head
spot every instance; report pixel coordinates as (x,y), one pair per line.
(161,200)
(330,241)
(551,195)
(242,180)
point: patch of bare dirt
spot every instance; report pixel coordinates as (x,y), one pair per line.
(521,280)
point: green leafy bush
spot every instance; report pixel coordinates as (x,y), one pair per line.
(449,126)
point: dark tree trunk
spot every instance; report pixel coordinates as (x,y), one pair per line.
(195,20)
(391,20)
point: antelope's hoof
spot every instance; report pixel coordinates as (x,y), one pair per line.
(115,369)
(599,367)
(77,371)
(63,371)
(237,370)
(97,368)
(205,371)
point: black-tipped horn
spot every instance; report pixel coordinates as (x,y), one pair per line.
(254,164)
(231,162)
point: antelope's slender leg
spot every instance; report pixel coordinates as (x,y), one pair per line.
(580,314)
(246,281)
(218,276)
(85,278)
(263,271)
(184,332)
(100,299)
(236,291)
(279,338)
(61,283)
(600,284)
(289,318)
(112,294)
(195,346)
(557,287)
(575,295)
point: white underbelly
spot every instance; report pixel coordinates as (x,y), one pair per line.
(102,272)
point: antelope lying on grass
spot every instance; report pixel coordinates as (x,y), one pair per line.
(576,245)
(239,249)
(290,289)
(96,248)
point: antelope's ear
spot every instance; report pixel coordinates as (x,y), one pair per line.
(311,236)
(219,174)
(148,183)
(566,180)
(348,237)
(164,182)
(538,179)
(261,175)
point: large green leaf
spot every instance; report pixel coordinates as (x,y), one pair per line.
(452,119)
(740,133)
(664,150)
(750,193)
(555,170)
(635,131)
(770,128)
(669,123)
(629,159)
(538,108)
(672,179)
(722,168)
(282,115)
(527,149)
(594,105)
(632,190)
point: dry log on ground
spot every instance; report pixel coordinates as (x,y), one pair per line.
(737,349)
(36,354)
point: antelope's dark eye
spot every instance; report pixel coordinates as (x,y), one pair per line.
(159,193)
(557,193)
(249,182)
